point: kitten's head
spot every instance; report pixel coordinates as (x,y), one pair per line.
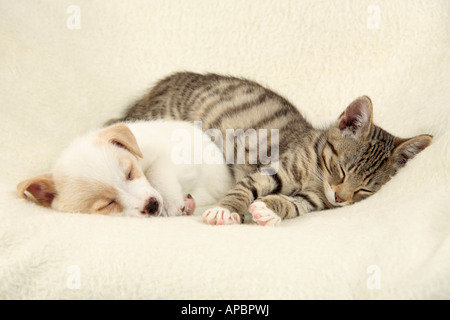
(359,157)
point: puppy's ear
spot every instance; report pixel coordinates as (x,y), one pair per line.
(120,135)
(42,188)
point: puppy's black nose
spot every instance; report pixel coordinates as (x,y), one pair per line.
(152,206)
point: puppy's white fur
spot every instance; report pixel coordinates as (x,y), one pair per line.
(123,168)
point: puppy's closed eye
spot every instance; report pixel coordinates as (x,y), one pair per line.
(130,173)
(130,169)
(105,205)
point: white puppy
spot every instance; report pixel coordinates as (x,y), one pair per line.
(133,169)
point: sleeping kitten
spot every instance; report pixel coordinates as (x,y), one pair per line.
(316,169)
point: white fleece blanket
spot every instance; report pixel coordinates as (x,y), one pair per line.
(67,66)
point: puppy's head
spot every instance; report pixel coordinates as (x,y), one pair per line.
(97,173)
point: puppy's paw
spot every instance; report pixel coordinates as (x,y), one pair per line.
(178,208)
(263,215)
(220,216)
(189,205)
(172,209)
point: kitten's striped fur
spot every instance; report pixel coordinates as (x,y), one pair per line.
(318,169)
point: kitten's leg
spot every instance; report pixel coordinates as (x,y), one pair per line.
(234,205)
(271,209)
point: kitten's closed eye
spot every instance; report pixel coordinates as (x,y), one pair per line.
(362,193)
(363,190)
(343,176)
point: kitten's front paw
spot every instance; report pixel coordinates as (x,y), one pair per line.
(220,216)
(263,215)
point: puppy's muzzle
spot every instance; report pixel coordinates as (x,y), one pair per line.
(152,207)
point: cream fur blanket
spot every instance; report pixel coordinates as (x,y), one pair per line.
(67,66)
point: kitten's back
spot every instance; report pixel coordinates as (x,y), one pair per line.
(218,101)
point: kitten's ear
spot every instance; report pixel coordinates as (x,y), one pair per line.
(407,149)
(42,188)
(356,120)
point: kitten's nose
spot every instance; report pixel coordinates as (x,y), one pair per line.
(337,198)
(152,206)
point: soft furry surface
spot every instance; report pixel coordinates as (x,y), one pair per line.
(58,82)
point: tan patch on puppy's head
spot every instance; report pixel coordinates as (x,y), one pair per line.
(74,195)
(88,196)
(121,135)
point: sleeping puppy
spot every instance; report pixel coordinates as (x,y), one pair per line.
(131,169)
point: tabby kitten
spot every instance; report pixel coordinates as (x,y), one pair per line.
(316,169)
